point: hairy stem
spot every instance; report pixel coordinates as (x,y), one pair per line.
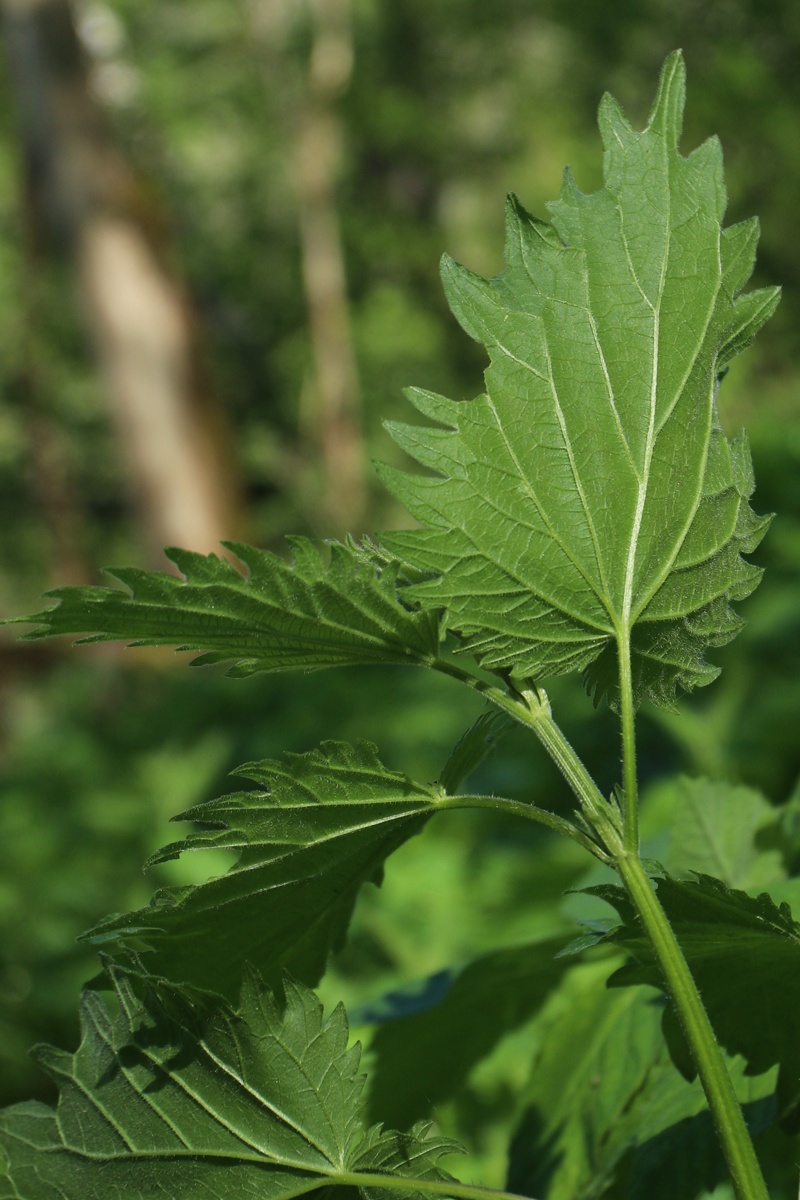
(594,804)
(737,1146)
(726,1112)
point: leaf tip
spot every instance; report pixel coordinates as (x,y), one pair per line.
(447,266)
(614,125)
(666,116)
(516,213)
(569,186)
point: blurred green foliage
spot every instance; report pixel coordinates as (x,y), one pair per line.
(450,105)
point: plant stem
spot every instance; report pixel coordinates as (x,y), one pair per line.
(593,802)
(628,716)
(430,1187)
(532,709)
(748,1181)
(737,1146)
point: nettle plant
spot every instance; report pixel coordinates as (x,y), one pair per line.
(586,514)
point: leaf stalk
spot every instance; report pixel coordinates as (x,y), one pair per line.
(531,708)
(530,812)
(596,808)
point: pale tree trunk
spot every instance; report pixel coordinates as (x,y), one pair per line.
(335,417)
(305,109)
(84,196)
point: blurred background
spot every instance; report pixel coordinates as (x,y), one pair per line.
(220,224)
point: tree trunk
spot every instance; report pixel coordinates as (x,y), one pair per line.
(86,201)
(335,417)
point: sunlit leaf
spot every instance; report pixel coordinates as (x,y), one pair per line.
(597,1050)
(674,1150)
(713,830)
(590,498)
(280,616)
(605,1111)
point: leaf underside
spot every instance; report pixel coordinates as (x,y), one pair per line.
(590,497)
(281,616)
(319,826)
(259,1104)
(588,500)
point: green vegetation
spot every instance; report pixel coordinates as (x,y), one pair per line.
(586,514)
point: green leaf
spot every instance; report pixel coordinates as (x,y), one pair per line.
(425,1056)
(280,616)
(319,826)
(597,1050)
(713,830)
(785,834)
(590,498)
(744,953)
(473,747)
(163,1101)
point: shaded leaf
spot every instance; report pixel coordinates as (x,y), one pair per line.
(785,833)
(164,1101)
(597,1050)
(476,744)
(280,616)
(676,1150)
(423,1056)
(607,1113)
(590,497)
(319,825)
